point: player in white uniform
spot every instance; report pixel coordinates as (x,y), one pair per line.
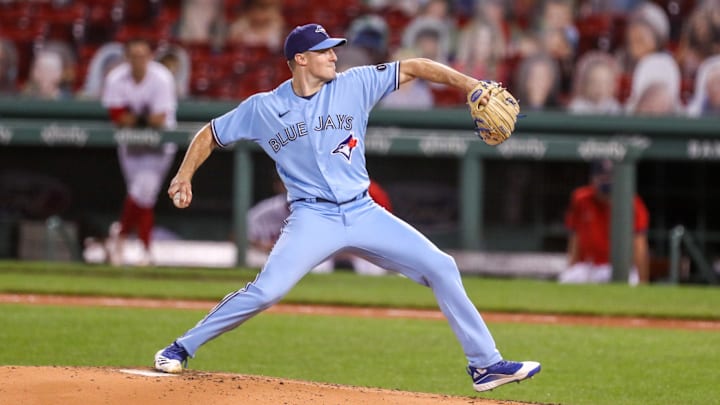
(314,126)
(140,93)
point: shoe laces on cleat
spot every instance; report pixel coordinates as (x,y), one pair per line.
(503,367)
(176,352)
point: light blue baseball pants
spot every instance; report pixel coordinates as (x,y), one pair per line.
(316,231)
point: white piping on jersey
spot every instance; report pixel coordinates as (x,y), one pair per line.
(397,76)
(214,134)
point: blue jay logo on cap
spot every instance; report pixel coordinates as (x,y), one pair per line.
(320,28)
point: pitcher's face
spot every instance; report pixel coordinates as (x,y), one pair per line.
(321,64)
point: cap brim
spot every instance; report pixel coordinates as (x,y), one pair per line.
(328,43)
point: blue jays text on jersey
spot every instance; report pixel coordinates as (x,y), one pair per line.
(287,135)
(342,121)
(298,129)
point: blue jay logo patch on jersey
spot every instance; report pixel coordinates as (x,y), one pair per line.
(346,147)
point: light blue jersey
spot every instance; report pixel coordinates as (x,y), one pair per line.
(318,143)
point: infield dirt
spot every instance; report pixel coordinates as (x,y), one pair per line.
(110,386)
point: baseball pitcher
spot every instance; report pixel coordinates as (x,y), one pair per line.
(313,126)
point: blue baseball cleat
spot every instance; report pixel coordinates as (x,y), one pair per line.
(171,359)
(502,372)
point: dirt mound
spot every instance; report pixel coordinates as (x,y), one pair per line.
(114,386)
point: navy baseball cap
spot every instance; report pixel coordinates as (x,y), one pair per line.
(309,37)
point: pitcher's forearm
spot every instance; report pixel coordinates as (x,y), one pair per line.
(427,69)
(200,149)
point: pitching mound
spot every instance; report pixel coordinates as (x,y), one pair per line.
(110,386)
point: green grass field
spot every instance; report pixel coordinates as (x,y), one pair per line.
(581,364)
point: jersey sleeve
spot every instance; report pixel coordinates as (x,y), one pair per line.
(375,81)
(234,125)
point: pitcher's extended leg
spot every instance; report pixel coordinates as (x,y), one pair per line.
(400,247)
(306,240)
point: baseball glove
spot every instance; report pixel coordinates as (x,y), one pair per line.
(495,121)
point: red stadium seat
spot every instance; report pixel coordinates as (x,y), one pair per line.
(687,88)
(140,11)
(396,20)
(199,86)
(26,40)
(624,87)
(249,54)
(198,51)
(233,8)
(604,31)
(168,16)
(447,97)
(619,23)
(64,23)
(154,34)
(15,13)
(102,21)
(176,4)
(282,71)
(225,89)
(595,32)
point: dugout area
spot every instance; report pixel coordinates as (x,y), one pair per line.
(466,197)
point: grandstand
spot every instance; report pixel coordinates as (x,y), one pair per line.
(234,71)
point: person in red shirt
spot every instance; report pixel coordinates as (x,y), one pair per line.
(380,196)
(588,220)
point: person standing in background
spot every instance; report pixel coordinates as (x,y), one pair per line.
(588,219)
(140,94)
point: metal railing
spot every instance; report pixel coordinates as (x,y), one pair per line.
(679,238)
